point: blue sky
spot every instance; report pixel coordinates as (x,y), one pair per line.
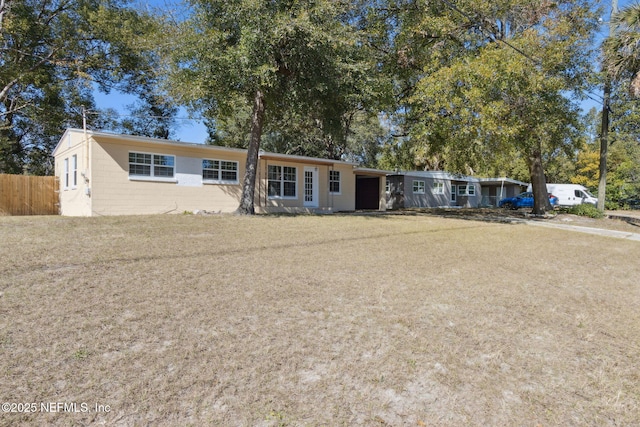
(187,130)
(191,130)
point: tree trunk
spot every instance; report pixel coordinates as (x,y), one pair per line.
(538,183)
(249,181)
(604,146)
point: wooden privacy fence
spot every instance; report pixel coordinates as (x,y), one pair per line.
(28,195)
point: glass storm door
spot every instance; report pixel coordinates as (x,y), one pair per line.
(311,187)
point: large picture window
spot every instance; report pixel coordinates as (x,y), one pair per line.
(151,165)
(220,171)
(282,181)
(334,182)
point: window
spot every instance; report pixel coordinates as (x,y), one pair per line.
(151,165)
(163,166)
(334,182)
(438,188)
(220,171)
(74,169)
(66,173)
(454,190)
(467,190)
(387,187)
(282,181)
(418,187)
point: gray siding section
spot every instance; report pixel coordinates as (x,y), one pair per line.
(431,189)
(426,199)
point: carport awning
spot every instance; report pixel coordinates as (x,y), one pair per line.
(371,172)
(501,181)
(301,159)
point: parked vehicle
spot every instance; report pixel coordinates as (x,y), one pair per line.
(631,203)
(523,200)
(570,194)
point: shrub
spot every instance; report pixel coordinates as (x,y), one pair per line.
(586,210)
(611,206)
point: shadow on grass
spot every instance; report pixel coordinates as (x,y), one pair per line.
(253,250)
(469,214)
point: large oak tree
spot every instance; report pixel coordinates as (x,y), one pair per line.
(276,59)
(483,80)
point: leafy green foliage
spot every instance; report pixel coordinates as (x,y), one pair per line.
(623,164)
(52,53)
(621,58)
(494,82)
(586,210)
(300,64)
(301,54)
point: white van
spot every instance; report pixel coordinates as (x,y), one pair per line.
(570,194)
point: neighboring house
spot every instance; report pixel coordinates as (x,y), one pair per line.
(495,189)
(431,189)
(107,174)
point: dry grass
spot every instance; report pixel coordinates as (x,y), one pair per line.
(335,320)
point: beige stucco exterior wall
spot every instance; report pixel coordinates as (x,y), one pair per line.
(327,202)
(104,186)
(115,193)
(346,200)
(74,198)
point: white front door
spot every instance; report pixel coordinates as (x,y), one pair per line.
(310,187)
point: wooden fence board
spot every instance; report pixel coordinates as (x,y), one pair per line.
(28,195)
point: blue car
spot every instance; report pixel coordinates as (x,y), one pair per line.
(523,200)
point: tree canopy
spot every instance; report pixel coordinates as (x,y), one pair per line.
(473,87)
(282,60)
(621,52)
(492,82)
(53,54)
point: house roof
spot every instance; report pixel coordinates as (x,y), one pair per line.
(459,177)
(372,172)
(437,175)
(108,136)
(301,159)
(113,137)
(503,180)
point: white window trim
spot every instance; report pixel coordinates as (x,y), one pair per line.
(151,178)
(438,187)
(65,174)
(222,181)
(335,193)
(74,171)
(466,191)
(413,186)
(282,181)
